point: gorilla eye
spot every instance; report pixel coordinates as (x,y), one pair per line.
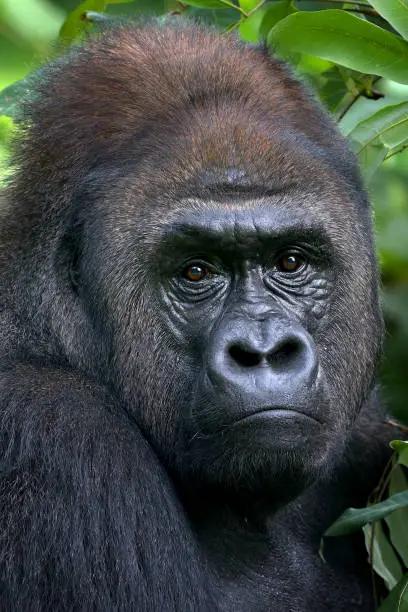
(196,272)
(290,262)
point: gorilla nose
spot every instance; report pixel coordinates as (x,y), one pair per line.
(277,358)
(282,355)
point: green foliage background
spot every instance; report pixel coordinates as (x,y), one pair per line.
(355,55)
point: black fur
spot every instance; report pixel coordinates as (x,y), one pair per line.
(144,463)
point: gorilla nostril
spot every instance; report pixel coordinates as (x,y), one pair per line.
(244,357)
(286,352)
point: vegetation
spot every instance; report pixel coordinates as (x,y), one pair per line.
(355,56)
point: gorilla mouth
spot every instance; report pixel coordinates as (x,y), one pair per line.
(280,414)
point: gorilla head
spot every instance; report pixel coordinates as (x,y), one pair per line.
(193,232)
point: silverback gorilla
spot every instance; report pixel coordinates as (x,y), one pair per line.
(189,335)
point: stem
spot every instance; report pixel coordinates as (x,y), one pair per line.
(371,12)
(234,26)
(379,490)
(356,97)
(178,11)
(234,6)
(258,6)
(363,4)
(349,105)
(391,422)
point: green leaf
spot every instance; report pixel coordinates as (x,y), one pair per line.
(395,12)
(249,29)
(354,518)
(384,560)
(211,4)
(273,14)
(397,600)
(402,449)
(398,521)
(248,5)
(345,39)
(74,25)
(388,126)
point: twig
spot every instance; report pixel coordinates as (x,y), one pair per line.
(391,422)
(402,427)
(370,12)
(349,105)
(363,4)
(365,7)
(258,6)
(178,11)
(356,97)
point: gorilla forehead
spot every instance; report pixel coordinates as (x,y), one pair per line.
(261,211)
(239,221)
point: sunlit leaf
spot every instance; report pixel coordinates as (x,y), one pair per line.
(249,29)
(362,110)
(248,5)
(345,39)
(354,518)
(388,126)
(384,560)
(395,12)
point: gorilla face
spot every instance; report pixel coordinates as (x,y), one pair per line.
(263,359)
(246,288)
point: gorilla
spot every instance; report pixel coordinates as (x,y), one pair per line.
(189,336)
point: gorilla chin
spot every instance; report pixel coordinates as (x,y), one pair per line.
(276,450)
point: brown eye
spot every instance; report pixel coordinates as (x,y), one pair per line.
(290,262)
(195,272)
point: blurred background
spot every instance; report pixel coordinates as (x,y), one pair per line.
(27,29)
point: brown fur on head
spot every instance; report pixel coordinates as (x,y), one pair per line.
(103,98)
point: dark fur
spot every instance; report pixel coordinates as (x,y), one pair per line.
(100,509)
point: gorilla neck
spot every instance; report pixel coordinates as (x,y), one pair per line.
(219,508)
(235,529)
